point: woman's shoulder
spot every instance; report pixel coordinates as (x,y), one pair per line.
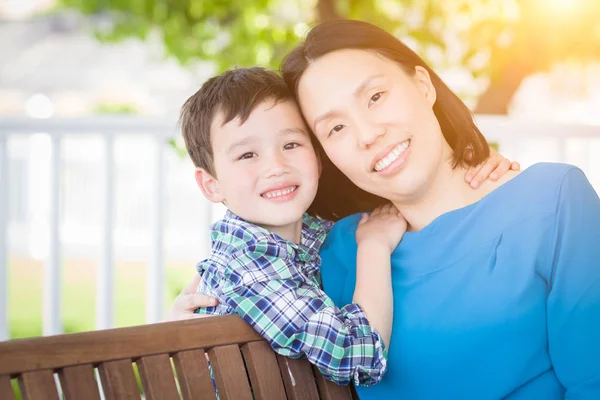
(541,182)
(551,180)
(343,231)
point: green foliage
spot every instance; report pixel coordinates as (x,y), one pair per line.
(115,108)
(490,38)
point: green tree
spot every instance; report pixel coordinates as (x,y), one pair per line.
(503,41)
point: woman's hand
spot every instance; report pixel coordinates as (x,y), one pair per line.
(187,301)
(493,168)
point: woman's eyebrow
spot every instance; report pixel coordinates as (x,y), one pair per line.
(323,117)
(365,83)
(359,89)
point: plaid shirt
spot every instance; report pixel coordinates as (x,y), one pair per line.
(274,285)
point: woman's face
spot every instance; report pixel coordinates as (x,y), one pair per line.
(375,122)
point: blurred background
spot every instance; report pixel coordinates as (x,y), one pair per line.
(101,223)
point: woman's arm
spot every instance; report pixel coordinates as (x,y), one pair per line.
(187,301)
(574,281)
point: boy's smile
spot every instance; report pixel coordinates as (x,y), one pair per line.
(266,169)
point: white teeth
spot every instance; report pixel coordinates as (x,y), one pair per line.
(392,156)
(277,193)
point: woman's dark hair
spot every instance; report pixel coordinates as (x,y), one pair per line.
(338,196)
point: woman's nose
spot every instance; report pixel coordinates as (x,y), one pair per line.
(368,133)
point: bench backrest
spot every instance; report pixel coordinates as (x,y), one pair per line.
(170,359)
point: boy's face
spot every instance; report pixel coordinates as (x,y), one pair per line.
(267,171)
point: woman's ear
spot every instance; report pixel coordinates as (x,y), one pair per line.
(425,84)
(209,185)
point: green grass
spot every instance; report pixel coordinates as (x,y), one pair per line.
(78,292)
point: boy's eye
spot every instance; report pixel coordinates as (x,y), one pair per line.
(290,146)
(375,98)
(247,156)
(335,129)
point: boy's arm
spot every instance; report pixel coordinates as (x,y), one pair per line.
(373,290)
(298,319)
(377,235)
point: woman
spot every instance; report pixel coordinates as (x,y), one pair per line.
(496,290)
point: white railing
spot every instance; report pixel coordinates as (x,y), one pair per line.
(107,129)
(525,141)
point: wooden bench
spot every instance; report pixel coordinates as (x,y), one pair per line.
(170,358)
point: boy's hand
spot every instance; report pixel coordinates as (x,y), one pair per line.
(493,168)
(187,301)
(385,225)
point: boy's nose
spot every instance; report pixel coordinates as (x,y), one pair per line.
(276,167)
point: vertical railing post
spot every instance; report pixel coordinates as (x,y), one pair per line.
(52,270)
(105,293)
(4,204)
(155,277)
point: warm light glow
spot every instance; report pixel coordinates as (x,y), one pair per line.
(564,5)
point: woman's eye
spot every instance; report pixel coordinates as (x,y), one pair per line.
(375,98)
(290,146)
(336,129)
(247,156)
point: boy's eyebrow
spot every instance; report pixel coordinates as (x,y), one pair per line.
(359,89)
(247,140)
(235,145)
(289,131)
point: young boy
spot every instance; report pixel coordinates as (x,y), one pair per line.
(253,152)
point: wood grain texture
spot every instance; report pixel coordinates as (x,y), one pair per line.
(193,375)
(230,373)
(298,378)
(6,390)
(263,370)
(157,377)
(329,390)
(118,380)
(53,352)
(38,385)
(79,382)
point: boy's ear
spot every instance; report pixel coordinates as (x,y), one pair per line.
(209,185)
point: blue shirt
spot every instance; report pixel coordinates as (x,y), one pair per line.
(499,299)
(274,285)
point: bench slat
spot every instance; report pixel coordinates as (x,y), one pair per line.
(264,371)
(121,343)
(192,373)
(118,380)
(157,377)
(38,385)
(298,378)
(230,374)
(6,390)
(329,390)
(79,382)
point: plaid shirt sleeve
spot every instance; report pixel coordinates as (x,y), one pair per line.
(298,319)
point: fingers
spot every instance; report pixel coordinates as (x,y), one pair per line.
(472,172)
(363,218)
(501,169)
(193,285)
(515,166)
(195,300)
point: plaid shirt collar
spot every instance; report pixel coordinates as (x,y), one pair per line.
(235,231)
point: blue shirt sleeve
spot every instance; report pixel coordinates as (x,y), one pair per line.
(574,280)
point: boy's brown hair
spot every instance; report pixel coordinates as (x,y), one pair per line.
(235,93)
